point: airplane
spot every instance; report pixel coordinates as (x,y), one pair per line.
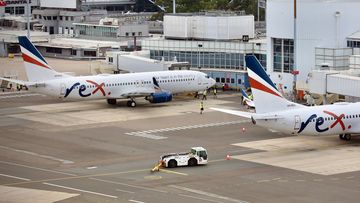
(275,112)
(156,87)
(247,100)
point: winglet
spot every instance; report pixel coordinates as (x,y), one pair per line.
(244,94)
(156,84)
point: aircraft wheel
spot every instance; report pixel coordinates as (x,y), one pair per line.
(341,136)
(111,101)
(347,137)
(132,103)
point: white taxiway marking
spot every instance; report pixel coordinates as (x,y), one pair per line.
(19,95)
(38,155)
(36,168)
(79,190)
(15,177)
(199,198)
(126,191)
(147,133)
(207,194)
(134,186)
(131,200)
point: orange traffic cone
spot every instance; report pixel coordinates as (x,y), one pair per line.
(243,129)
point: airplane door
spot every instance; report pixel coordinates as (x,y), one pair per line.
(199,79)
(62,89)
(297,122)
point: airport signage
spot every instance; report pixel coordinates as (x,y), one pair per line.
(16,2)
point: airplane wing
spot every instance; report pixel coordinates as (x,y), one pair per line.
(139,92)
(235,112)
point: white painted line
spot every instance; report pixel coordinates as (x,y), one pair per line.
(36,168)
(15,177)
(18,96)
(186,127)
(79,190)
(146,135)
(131,200)
(14,93)
(199,198)
(128,185)
(207,194)
(126,191)
(91,167)
(64,161)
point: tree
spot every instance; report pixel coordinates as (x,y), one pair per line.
(191,6)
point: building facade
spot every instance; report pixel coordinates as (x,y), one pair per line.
(322,29)
(18,7)
(222,60)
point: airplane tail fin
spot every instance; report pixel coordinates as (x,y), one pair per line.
(36,67)
(267,97)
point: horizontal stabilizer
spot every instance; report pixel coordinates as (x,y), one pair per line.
(267,117)
(21,82)
(235,112)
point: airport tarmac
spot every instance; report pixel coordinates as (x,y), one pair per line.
(92,152)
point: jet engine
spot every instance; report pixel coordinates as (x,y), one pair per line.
(159,97)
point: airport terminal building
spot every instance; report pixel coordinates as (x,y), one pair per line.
(326,38)
(215,43)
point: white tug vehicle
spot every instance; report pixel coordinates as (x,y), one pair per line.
(197,156)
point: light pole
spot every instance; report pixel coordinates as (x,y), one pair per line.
(174,6)
(295,71)
(28,17)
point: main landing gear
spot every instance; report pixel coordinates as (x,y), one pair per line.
(111,101)
(346,137)
(131,103)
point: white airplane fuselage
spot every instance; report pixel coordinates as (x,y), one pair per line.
(121,85)
(341,118)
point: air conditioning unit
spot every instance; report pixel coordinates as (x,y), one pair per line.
(245,38)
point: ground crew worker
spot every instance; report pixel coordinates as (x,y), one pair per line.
(204,94)
(201,107)
(215,92)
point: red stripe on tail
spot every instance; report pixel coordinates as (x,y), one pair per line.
(257,85)
(33,61)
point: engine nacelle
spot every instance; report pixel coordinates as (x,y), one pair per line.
(159,97)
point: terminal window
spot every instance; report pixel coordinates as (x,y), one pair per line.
(283,55)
